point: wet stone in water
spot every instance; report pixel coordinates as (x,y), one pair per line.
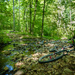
(19,72)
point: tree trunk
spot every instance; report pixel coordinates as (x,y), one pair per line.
(25,20)
(24,14)
(13,17)
(19,15)
(30,16)
(43,19)
(34,15)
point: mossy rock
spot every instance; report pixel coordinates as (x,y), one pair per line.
(66,60)
(6,69)
(19,72)
(7,52)
(72,55)
(22,66)
(55,66)
(67,71)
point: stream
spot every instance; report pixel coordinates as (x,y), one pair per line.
(17,50)
(6,56)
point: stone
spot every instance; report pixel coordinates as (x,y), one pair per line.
(57,73)
(72,55)
(7,52)
(19,64)
(66,60)
(6,68)
(55,67)
(49,71)
(19,72)
(67,70)
(73,63)
(38,70)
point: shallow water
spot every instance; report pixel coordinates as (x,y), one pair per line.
(5,60)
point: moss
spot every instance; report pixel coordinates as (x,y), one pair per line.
(6,52)
(4,38)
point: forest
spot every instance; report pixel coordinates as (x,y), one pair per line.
(31,30)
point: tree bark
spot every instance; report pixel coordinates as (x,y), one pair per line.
(24,14)
(30,16)
(24,18)
(43,20)
(13,17)
(34,15)
(19,15)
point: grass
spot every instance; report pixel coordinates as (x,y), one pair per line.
(54,38)
(3,37)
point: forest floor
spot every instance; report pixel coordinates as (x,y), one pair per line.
(27,51)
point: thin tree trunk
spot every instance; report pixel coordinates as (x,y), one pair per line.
(30,17)
(26,26)
(43,19)
(59,16)
(46,6)
(24,14)
(34,15)
(25,20)
(13,17)
(19,15)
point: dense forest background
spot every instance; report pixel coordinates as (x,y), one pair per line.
(40,18)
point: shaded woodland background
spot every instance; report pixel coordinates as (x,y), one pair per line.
(51,19)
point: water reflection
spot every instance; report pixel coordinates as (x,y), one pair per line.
(9,67)
(26,51)
(8,74)
(5,60)
(2,61)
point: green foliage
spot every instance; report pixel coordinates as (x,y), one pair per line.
(48,37)
(4,38)
(53,38)
(70,41)
(56,17)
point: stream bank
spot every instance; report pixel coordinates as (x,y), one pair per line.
(21,58)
